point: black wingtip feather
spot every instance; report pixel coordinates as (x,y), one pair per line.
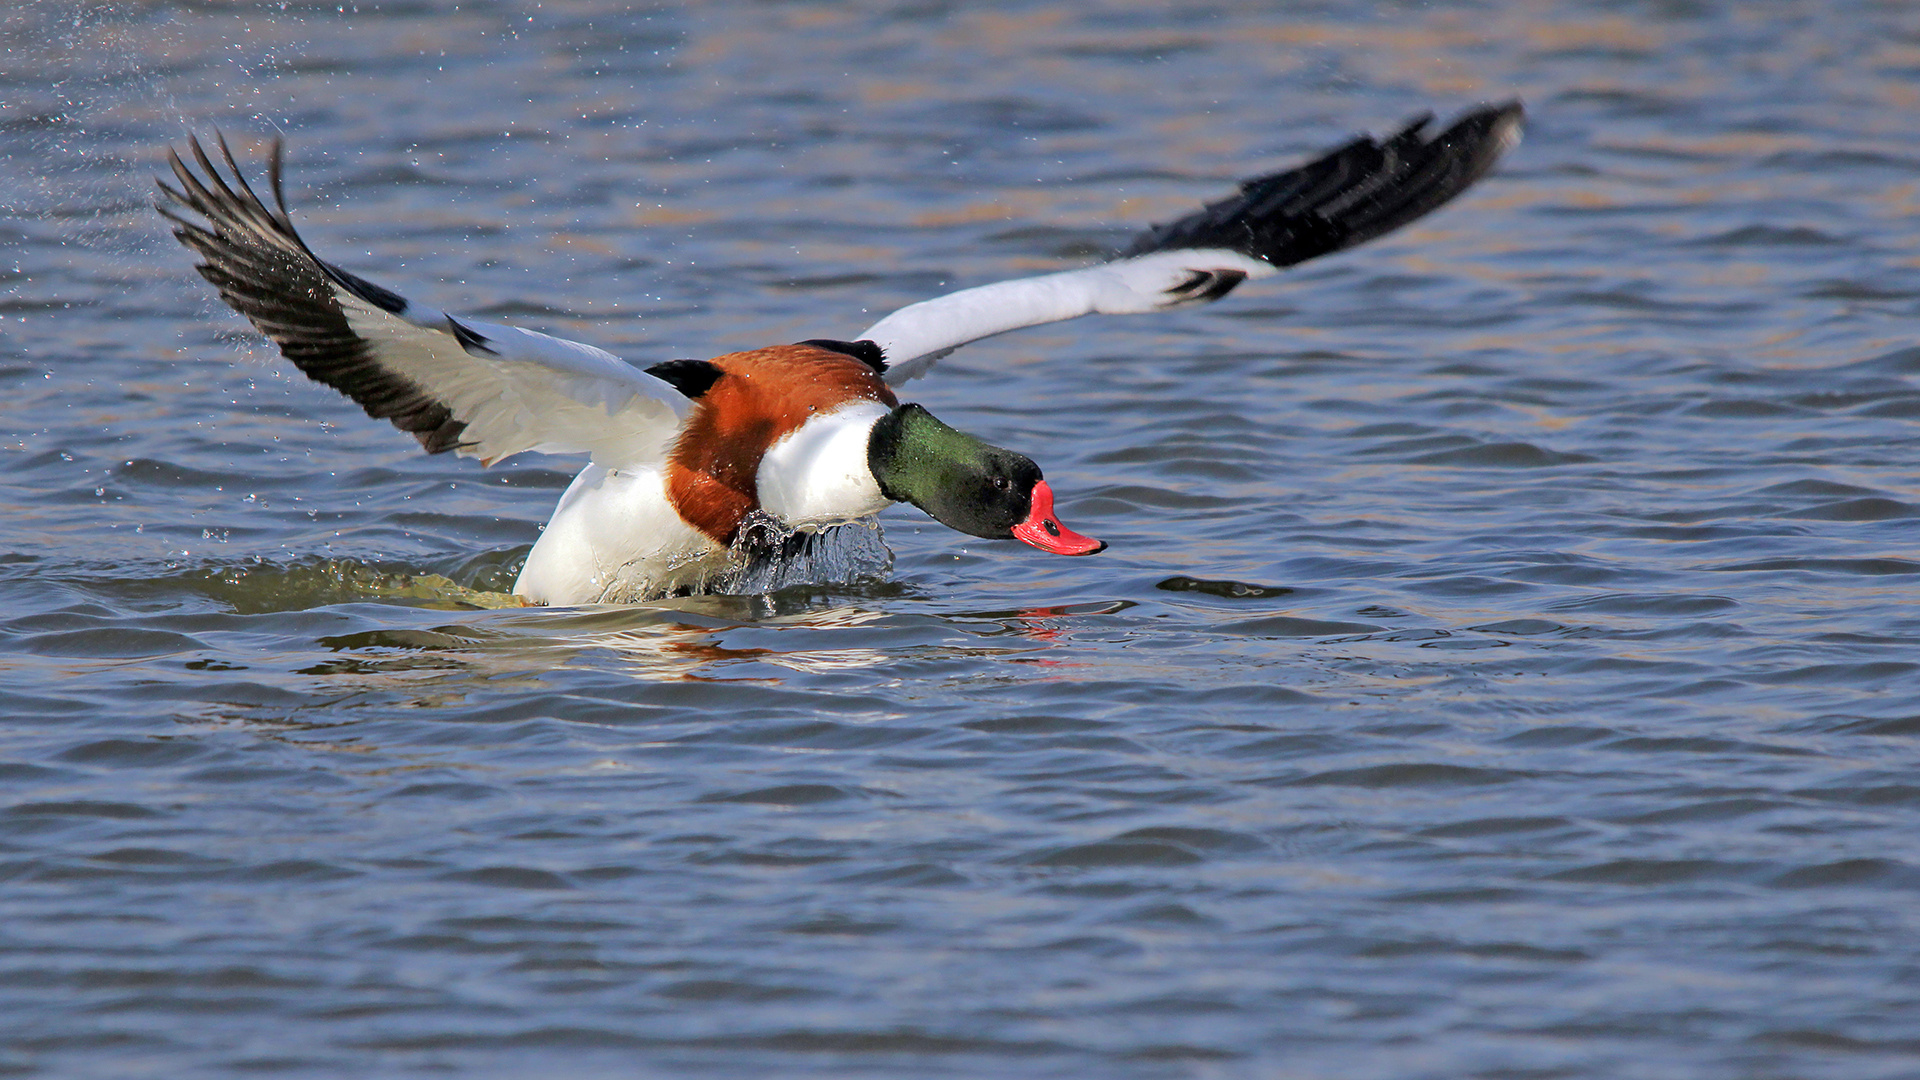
(474,342)
(1349,195)
(265,271)
(867,352)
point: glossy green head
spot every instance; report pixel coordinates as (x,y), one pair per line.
(967,484)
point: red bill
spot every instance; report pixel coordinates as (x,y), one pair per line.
(1044,531)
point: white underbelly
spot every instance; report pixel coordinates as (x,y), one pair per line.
(614,538)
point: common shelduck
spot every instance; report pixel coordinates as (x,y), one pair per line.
(687,455)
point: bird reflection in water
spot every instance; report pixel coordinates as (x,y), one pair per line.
(687,639)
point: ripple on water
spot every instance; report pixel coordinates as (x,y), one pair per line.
(1501,668)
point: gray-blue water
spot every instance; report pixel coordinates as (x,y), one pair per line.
(1504,666)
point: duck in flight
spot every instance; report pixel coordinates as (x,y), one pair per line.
(687,454)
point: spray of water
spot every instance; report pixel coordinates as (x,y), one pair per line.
(767,556)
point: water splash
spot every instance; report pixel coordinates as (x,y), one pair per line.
(263,585)
(768,556)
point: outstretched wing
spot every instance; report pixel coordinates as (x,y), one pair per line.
(480,389)
(1345,197)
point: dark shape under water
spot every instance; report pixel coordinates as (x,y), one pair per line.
(1232,590)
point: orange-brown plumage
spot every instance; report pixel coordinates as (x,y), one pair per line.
(761,397)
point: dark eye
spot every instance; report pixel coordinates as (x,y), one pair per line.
(1002,483)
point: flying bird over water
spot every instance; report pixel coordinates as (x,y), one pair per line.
(687,456)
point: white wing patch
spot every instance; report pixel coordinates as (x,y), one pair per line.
(518,390)
(919,334)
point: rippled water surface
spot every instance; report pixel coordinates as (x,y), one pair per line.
(1504,667)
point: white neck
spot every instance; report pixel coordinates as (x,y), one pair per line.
(818,475)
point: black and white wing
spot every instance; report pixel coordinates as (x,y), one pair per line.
(1345,197)
(479,389)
